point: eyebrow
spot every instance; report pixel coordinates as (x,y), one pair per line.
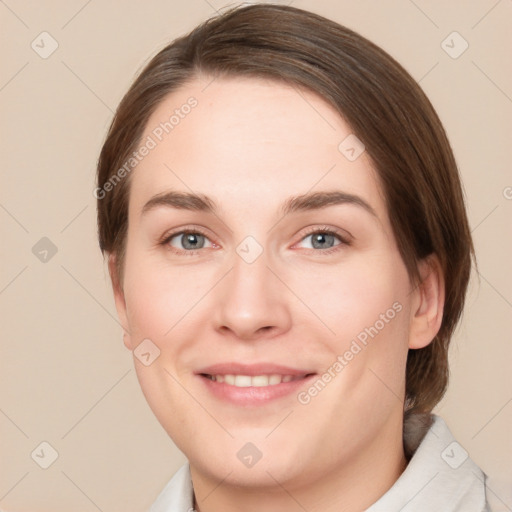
(305,202)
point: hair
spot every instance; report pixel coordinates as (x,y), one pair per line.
(385,108)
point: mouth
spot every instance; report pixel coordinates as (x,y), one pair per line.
(250,385)
(257,381)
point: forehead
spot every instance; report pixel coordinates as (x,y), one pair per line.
(247,141)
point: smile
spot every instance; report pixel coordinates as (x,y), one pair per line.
(253,385)
(245,381)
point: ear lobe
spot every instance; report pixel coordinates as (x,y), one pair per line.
(428,303)
(127,341)
(119,299)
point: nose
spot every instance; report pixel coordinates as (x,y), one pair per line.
(252,301)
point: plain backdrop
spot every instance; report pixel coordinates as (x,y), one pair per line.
(66,378)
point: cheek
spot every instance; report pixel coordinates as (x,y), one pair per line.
(353,295)
(364,303)
(158,296)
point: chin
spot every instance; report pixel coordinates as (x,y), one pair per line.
(257,464)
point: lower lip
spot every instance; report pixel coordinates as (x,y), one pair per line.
(253,395)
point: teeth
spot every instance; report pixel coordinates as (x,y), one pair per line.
(242,381)
(259,381)
(228,379)
(274,379)
(245,381)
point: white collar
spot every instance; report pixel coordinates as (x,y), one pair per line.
(440,476)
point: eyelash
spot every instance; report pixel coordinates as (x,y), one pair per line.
(312,231)
(329,231)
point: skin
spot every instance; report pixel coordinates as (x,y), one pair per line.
(250,144)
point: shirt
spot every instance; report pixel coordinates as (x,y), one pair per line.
(440,477)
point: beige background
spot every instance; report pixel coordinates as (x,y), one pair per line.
(66,377)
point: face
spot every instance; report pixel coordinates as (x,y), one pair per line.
(279,306)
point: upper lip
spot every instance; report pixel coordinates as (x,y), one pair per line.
(234,368)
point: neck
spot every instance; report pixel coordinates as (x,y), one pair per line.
(350,487)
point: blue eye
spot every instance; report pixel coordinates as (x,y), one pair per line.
(323,240)
(187,240)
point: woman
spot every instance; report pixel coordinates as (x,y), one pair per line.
(289,252)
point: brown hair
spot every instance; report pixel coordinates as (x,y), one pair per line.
(386,110)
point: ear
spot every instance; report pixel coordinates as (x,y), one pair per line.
(119,299)
(428,303)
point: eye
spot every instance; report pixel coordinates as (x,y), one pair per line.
(187,241)
(326,239)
